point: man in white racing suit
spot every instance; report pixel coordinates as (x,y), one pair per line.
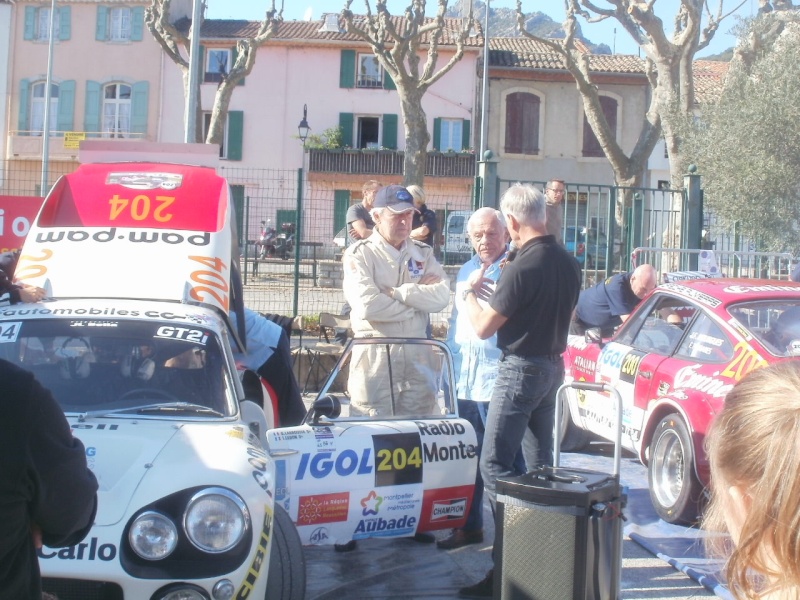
(393,283)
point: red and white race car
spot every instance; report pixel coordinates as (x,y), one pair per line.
(673,361)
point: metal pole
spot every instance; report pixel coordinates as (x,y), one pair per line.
(299,221)
(190,112)
(485,86)
(48,83)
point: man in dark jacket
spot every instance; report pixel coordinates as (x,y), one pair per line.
(11,293)
(47,493)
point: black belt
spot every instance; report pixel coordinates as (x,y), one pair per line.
(531,356)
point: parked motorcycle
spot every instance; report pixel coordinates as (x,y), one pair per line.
(265,246)
(284,243)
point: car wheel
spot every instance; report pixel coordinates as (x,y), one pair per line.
(674,488)
(287,564)
(573,437)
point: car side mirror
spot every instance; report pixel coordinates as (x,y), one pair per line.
(328,406)
(594,336)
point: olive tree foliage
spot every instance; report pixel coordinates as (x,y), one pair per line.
(746,144)
(176,44)
(400,45)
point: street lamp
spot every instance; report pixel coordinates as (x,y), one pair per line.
(303,128)
(302,133)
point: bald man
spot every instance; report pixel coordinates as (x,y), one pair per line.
(609,303)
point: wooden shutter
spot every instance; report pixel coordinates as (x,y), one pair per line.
(591,145)
(346,123)
(137,23)
(347,69)
(65,22)
(465,126)
(388,82)
(101,26)
(30,23)
(91,113)
(437,133)
(235,134)
(389,132)
(66,106)
(341,202)
(24,105)
(522,123)
(140,94)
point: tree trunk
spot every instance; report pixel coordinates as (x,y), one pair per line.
(417,136)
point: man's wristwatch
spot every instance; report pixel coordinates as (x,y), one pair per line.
(467,292)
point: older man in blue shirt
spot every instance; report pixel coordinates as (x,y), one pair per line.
(476,359)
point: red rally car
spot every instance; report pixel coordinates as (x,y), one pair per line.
(673,361)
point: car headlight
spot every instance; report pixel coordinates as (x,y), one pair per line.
(216,519)
(153,536)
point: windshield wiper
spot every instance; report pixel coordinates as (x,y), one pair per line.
(171,407)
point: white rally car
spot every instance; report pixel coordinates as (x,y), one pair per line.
(135,343)
(201,496)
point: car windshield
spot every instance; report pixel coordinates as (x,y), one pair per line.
(390,378)
(130,367)
(775,323)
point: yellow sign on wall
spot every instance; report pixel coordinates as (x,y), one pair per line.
(72,139)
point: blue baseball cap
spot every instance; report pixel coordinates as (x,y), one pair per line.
(394,197)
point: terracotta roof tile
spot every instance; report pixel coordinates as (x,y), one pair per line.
(310,31)
(526,53)
(709,79)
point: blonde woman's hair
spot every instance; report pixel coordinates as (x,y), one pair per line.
(754,444)
(417,192)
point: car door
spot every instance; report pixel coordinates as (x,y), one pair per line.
(348,474)
(630,362)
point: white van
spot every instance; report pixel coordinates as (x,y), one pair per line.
(456,246)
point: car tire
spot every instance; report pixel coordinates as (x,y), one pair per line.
(573,437)
(287,564)
(675,490)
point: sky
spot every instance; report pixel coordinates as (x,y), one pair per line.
(597,32)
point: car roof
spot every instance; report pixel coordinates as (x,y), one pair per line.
(724,291)
(138,230)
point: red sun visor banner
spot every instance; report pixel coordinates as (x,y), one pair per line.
(16,215)
(138,195)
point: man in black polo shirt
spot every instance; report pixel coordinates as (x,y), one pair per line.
(610,302)
(530,310)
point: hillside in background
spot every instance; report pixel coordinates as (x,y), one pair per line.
(503,23)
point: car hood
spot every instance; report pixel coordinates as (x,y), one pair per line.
(120,452)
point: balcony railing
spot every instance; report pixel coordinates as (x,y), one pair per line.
(388,162)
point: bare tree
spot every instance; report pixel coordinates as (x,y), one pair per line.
(669,58)
(628,169)
(177,46)
(398,46)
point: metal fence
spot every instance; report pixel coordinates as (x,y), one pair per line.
(309,282)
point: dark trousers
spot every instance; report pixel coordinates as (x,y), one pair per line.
(278,372)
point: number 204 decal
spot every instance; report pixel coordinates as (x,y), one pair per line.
(212,282)
(9,331)
(398,459)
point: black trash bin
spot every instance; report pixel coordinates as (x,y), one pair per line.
(559,530)
(559,535)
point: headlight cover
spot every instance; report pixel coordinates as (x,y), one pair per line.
(216,519)
(153,536)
